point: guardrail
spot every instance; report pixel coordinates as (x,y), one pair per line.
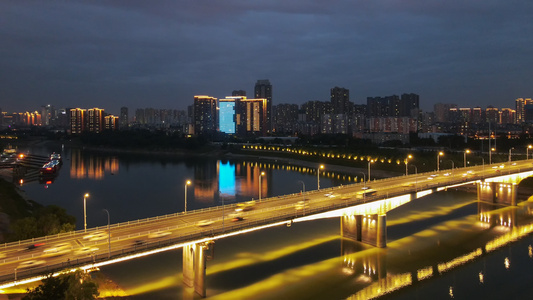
(202,233)
(216,208)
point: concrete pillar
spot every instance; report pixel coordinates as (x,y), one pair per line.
(381,231)
(369,229)
(194,267)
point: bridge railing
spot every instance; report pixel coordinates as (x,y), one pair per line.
(102,255)
(233,205)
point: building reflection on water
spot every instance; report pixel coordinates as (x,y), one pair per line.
(91,166)
(229,181)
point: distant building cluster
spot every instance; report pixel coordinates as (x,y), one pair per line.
(382,118)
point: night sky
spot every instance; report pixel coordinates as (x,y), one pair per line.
(160,54)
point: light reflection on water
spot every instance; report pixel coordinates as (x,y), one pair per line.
(134,187)
(309,260)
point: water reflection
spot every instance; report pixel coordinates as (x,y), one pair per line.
(91,166)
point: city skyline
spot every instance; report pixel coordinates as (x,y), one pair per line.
(137,54)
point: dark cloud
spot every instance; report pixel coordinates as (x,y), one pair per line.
(160,54)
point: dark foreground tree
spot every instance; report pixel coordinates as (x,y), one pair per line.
(72,286)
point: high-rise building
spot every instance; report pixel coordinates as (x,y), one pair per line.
(507,116)
(47,114)
(111,122)
(492,115)
(284,118)
(442,112)
(389,106)
(77,120)
(95,120)
(238,93)
(124,119)
(520,109)
(263,90)
(340,100)
(205,115)
(227,114)
(409,105)
(251,116)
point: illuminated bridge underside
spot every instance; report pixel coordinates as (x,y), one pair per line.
(511,178)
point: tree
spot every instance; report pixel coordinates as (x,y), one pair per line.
(72,286)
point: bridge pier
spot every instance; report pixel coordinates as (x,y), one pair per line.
(195,258)
(369,229)
(497,192)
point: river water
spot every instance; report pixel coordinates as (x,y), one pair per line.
(443,246)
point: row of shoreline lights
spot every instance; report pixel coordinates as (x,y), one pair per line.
(321,167)
(369,159)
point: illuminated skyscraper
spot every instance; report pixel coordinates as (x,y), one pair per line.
(205,115)
(111,122)
(95,120)
(520,109)
(77,120)
(263,90)
(242,116)
(227,115)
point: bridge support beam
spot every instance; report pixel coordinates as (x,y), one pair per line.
(369,229)
(195,258)
(497,192)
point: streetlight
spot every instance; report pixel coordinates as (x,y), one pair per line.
(510,154)
(466,151)
(318,176)
(222,198)
(527,151)
(303,193)
(406,161)
(188,182)
(490,155)
(260,179)
(85,211)
(438,159)
(369,162)
(364,186)
(108,235)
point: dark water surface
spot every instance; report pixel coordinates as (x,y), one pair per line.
(443,246)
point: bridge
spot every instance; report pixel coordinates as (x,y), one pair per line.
(362,214)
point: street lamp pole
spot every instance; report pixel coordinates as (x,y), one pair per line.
(318,176)
(108,235)
(438,160)
(369,162)
(406,161)
(260,179)
(188,182)
(85,212)
(466,151)
(527,151)
(490,155)
(364,186)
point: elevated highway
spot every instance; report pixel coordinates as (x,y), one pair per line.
(28,260)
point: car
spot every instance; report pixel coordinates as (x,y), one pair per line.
(57,250)
(86,250)
(300,205)
(234,215)
(34,246)
(96,236)
(158,234)
(237,219)
(30,264)
(204,223)
(139,242)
